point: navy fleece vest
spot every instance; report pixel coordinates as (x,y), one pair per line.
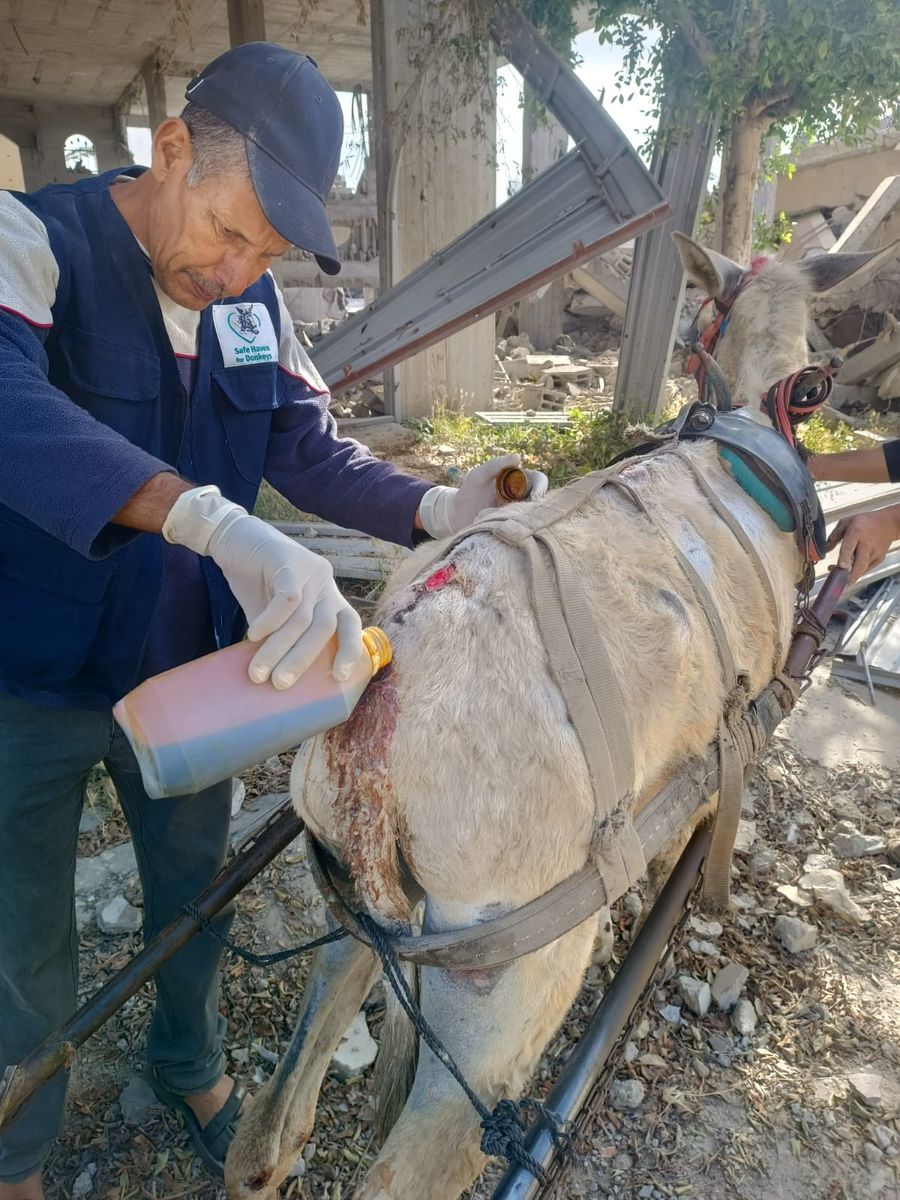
(73,629)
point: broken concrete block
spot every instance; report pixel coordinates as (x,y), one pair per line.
(743,1018)
(625,1094)
(795,935)
(695,994)
(728,985)
(829,889)
(118,916)
(356,1051)
(867,1087)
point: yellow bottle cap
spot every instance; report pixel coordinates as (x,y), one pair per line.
(378,644)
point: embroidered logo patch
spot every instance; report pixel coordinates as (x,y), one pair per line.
(246,334)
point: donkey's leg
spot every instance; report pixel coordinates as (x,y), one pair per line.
(495,1023)
(278,1122)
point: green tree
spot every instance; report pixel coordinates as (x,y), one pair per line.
(813,69)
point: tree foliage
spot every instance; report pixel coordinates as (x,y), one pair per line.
(826,69)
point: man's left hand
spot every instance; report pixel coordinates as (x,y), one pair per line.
(445,511)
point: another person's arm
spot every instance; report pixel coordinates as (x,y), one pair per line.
(866,538)
(879,465)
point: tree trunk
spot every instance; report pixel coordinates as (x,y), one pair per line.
(740,172)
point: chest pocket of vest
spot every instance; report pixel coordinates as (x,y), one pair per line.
(246,397)
(51,602)
(114,382)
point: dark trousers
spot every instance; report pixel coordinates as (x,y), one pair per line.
(45,758)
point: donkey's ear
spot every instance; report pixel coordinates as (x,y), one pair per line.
(716,274)
(826,271)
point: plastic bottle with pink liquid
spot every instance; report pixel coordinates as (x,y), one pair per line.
(202,722)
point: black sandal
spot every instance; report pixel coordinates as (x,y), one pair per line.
(212,1139)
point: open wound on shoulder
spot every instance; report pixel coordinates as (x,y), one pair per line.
(246,334)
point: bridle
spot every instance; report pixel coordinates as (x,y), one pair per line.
(788,402)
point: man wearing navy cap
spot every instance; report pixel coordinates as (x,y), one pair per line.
(149,379)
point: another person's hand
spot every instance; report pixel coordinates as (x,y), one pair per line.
(865,539)
(445,511)
(287,592)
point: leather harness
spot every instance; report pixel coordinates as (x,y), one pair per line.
(765,463)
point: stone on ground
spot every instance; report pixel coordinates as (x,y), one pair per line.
(626,1094)
(829,889)
(357,1050)
(795,935)
(867,1087)
(695,993)
(136,1100)
(743,1018)
(118,916)
(850,843)
(728,985)
(84,1182)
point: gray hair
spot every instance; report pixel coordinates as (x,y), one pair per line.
(216,146)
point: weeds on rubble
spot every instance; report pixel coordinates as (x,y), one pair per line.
(821,436)
(587,442)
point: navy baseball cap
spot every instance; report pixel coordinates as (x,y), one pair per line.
(292,120)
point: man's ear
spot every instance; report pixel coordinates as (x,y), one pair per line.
(171,147)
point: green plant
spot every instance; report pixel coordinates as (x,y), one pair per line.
(821,436)
(563,452)
(769,235)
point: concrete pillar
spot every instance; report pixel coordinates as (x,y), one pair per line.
(436,178)
(10,165)
(155,87)
(246,21)
(544,141)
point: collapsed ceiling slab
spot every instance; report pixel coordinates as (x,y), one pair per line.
(596,197)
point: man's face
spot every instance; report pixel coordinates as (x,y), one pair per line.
(208,241)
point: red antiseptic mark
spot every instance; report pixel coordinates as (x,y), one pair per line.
(441,577)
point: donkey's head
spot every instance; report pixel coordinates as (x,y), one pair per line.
(764,334)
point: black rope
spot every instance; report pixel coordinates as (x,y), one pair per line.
(261,960)
(503,1129)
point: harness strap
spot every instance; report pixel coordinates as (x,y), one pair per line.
(580,666)
(740,534)
(717,873)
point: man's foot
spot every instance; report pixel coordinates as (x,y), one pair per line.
(26,1189)
(210,1116)
(206,1104)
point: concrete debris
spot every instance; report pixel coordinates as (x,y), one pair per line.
(695,993)
(743,1018)
(867,1087)
(829,888)
(356,1051)
(118,916)
(703,948)
(633,905)
(625,1094)
(795,935)
(706,929)
(671,1013)
(238,793)
(746,836)
(84,1182)
(882,1136)
(728,985)
(89,822)
(850,843)
(136,1100)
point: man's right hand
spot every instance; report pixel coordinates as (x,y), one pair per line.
(865,539)
(287,592)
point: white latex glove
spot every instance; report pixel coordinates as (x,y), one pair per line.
(288,594)
(445,511)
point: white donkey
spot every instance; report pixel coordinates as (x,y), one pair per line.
(461,757)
